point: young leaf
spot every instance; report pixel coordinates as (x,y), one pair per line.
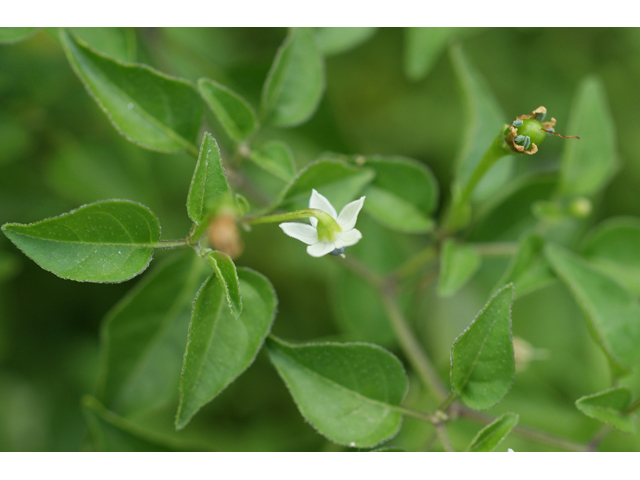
(458,264)
(482,358)
(234,112)
(149,108)
(119,43)
(528,269)
(112,433)
(335,40)
(336,180)
(276,157)
(295,83)
(609,407)
(484,119)
(16,34)
(402,195)
(613,313)
(209,188)
(492,435)
(613,249)
(346,391)
(422,46)
(220,347)
(144,337)
(108,241)
(589,163)
(228,277)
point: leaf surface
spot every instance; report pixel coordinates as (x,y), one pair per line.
(234,112)
(336,40)
(225,271)
(16,34)
(295,83)
(346,391)
(609,407)
(220,346)
(492,435)
(422,46)
(613,313)
(458,264)
(149,108)
(276,158)
(108,241)
(482,358)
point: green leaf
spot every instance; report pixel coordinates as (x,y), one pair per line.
(492,435)
(108,241)
(482,358)
(402,195)
(484,121)
(227,275)
(16,34)
(346,391)
(335,40)
(610,407)
(422,47)
(613,313)
(149,108)
(221,347)
(119,43)
(458,264)
(234,112)
(209,188)
(112,433)
(613,249)
(589,163)
(295,83)
(276,158)
(528,269)
(144,337)
(334,179)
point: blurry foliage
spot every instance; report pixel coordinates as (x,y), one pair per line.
(57,151)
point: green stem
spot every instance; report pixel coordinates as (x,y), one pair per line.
(197,231)
(327,225)
(459,212)
(444,438)
(167,244)
(506,249)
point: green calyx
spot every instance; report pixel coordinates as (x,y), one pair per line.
(327,226)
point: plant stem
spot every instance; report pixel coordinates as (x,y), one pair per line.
(458,213)
(506,249)
(416,262)
(166,244)
(444,438)
(410,345)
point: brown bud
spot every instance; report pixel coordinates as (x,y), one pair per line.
(224,235)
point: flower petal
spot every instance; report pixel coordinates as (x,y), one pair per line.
(348,238)
(321,203)
(349,214)
(301,231)
(321,248)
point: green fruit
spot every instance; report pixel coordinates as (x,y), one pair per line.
(532,128)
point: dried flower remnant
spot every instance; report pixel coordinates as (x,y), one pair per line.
(224,236)
(526,132)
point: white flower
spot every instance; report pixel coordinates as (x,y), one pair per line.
(342,239)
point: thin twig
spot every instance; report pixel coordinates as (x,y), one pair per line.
(444,438)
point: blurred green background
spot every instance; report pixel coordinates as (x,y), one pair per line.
(58,151)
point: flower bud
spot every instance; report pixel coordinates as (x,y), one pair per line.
(224,236)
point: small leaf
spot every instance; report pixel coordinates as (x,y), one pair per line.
(589,163)
(119,43)
(295,83)
(609,407)
(144,337)
(221,347)
(482,358)
(209,188)
(422,47)
(16,34)
(112,433)
(484,120)
(346,391)
(402,195)
(492,435)
(234,112)
(228,277)
(613,313)
(108,241)
(458,264)
(528,269)
(335,40)
(276,158)
(613,249)
(336,180)
(149,108)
